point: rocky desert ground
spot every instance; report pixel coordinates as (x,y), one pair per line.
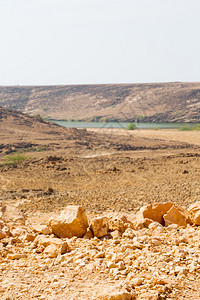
(98,215)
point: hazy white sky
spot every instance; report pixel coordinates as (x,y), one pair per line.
(99,41)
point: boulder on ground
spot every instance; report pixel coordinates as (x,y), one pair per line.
(99,226)
(177,215)
(194,211)
(71,222)
(155,211)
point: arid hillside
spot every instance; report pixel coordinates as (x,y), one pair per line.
(19,131)
(158,102)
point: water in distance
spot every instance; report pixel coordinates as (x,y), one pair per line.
(123,125)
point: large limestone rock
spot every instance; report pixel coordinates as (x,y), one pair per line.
(194,211)
(99,226)
(71,222)
(177,215)
(155,211)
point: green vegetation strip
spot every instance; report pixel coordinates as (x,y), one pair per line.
(189,127)
(11,160)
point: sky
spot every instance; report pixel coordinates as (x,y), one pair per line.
(45,42)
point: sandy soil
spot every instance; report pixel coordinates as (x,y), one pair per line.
(191,137)
(157,166)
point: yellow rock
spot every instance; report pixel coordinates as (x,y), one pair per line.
(29,237)
(99,226)
(117,224)
(141,222)
(194,211)
(71,222)
(116,294)
(153,295)
(88,235)
(10,213)
(52,251)
(155,211)
(176,215)
(2,234)
(16,256)
(41,229)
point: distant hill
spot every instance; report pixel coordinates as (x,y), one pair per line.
(158,102)
(21,132)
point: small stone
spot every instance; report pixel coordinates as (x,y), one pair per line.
(18,231)
(54,246)
(111,265)
(100,255)
(136,282)
(117,224)
(29,237)
(16,256)
(151,295)
(155,225)
(116,293)
(2,234)
(88,235)
(121,265)
(44,229)
(129,233)
(116,235)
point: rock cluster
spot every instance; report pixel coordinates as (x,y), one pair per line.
(147,256)
(164,213)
